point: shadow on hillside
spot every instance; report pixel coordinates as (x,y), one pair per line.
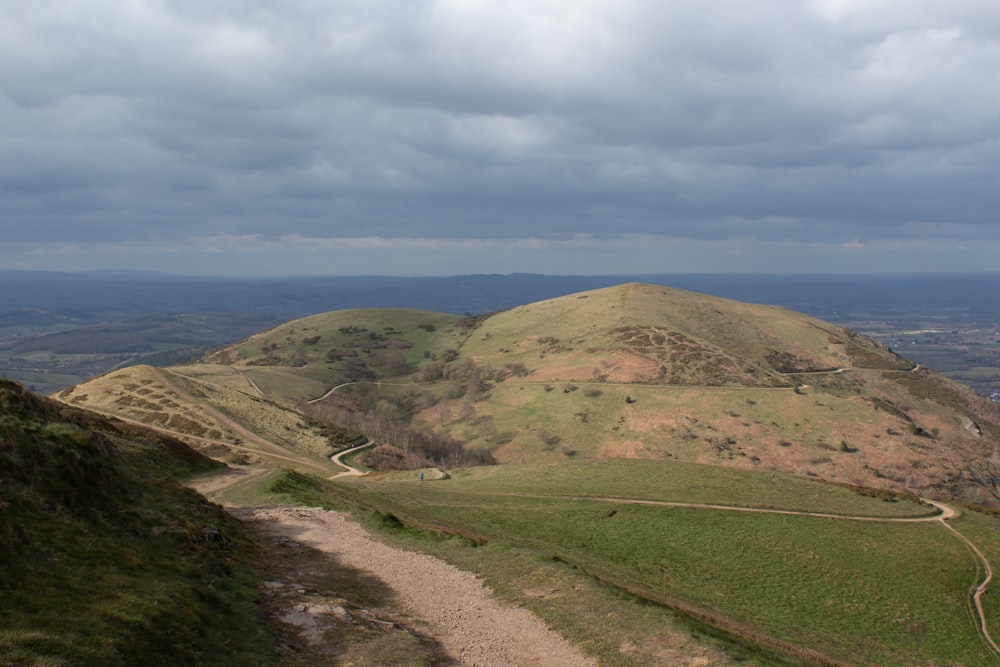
(325,610)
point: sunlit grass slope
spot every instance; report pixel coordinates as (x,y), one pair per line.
(858,592)
(633,371)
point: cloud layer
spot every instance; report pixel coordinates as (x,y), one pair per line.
(547,133)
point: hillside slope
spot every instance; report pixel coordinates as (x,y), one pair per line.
(634,371)
(104,559)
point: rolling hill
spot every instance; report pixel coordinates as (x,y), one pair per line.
(633,371)
(751,469)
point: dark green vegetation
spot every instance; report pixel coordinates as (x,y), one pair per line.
(104,559)
(822,590)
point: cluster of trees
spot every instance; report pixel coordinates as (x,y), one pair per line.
(410,448)
(467,377)
(386,417)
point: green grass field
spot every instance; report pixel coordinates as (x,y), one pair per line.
(860,592)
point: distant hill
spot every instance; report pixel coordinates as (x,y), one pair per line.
(631,371)
(946,322)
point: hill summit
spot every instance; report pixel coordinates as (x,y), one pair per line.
(632,371)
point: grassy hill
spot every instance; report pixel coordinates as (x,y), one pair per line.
(104,559)
(634,371)
(648,435)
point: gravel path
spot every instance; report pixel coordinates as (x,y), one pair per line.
(453,606)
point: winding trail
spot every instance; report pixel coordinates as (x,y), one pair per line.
(979,589)
(945,513)
(602,383)
(350,471)
(377,383)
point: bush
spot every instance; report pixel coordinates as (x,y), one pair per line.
(550,440)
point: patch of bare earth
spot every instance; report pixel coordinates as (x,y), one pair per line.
(445,615)
(626,449)
(646,421)
(626,366)
(618,366)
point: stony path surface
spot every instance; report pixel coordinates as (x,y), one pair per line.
(453,606)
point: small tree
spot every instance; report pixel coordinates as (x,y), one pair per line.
(487,428)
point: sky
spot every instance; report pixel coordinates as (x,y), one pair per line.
(440,137)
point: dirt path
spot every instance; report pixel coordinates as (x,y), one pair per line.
(455,609)
(979,589)
(945,512)
(450,605)
(211,485)
(349,471)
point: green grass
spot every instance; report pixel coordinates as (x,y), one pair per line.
(723,404)
(984,530)
(105,559)
(664,481)
(864,593)
(677,422)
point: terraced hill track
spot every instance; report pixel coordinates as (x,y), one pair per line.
(177,410)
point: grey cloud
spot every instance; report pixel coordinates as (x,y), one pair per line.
(816,121)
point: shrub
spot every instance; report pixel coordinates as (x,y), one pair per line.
(550,440)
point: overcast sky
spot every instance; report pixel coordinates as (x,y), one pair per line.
(423,137)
